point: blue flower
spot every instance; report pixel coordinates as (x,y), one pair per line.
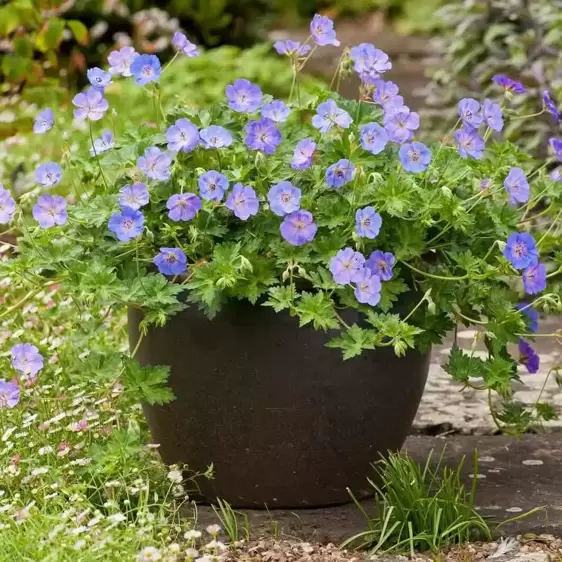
(508,84)
(9,394)
(276,111)
(556,145)
(470,142)
(380,264)
(155,164)
(105,142)
(48,174)
(517,186)
(414,157)
(298,228)
(550,105)
(120,61)
(284,198)
(470,112)
(385,92)
(7,205)
(291,48)
(263,135)
(521,250)
(90,105)
(322,31)
(485,184)
(127,224)
(215,136)
(556,175)
(242,200)
(328,115)
(43,122)
(373,138)
(534,278)
(182,135)
(98,77)
(170,261)
(367,222)
(134,196)
(27,360)
(528,356)
(340,173)
(50,210)
(212,185)
(304,152)
(347,266)
(146,69)
(183,206)
(369,62)
(395,105)
(367,288)
(531,316)
(183,45)
(243,96)
(493,115)
(401,125)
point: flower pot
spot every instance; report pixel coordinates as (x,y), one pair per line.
(284,420)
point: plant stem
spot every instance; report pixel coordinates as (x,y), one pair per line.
(97,157)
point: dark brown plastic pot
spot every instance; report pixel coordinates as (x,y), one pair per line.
(284,420)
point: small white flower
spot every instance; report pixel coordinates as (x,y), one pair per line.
(40,470)
(174,548)
(79,545)
(149,553)
(175,476)
(215,545)
(191,554)
(213,529)
(192,534)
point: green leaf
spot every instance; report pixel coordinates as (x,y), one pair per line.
(462,367)
(390,291)
(499,373)
(280,298)
(147,384)
(317,308)
(79,30)
(51,34)
(353,341)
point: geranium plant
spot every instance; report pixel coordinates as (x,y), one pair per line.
(313,207)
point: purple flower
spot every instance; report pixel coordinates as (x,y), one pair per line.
(262,135)
(414,157)
(182,135)
(469,112)
(27,360)
(534,278)
(105,142)
(284,198)
(276,111)
(347,266)
(7,205)
(298,228)
(120,61)
(145,69)
(551,105)
(470,142)
(304,152)
(401,125)
(127,224)
(528,356)
(242,200)
(170,261)
(291,48)
(322,30)
(48,174)
(521,250)
(183,206)
(212,185)
(98,77)
(531,316)
(485,183)
(556,145)
(243,96)
(215,136)
(367,288)
(50,210)
(183,45)
(367,222)
(328,115)
(134,196)
(369,62)
(380,264)
(395,105)
(517,186)
(385,92)
(373,138)
(155,164)
(493,115)
(43,122)
(556,175)
(340,173)
(508,84)
(90,105)
(9,394)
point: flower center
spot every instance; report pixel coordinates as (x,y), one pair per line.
(414,155)
(367,222)
(171,258)
(147,70)
(3,400)
(382,265)
(285,197)
(299,224)
(214,140)
(127,224)
(520,250)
